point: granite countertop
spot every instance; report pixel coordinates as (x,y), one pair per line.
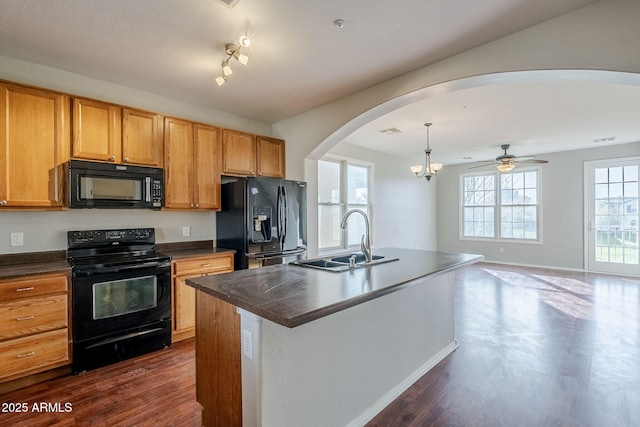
(29,263)
(185,250)
(291,295)
(19,265)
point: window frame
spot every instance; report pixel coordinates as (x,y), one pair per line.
(497,224)
(344,204)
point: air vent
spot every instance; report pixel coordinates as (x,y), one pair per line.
(607,139)
(229,3)
(390,131)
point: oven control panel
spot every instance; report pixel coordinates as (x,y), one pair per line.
(130,235)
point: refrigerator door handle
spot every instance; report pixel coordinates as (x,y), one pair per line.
(285,213)
(270,255)
(279,215)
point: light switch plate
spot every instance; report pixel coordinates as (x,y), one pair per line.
(186,231)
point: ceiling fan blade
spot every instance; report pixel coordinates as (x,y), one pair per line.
(533,161)
(485,165)
(521,158)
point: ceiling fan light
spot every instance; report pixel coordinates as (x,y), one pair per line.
(506,167)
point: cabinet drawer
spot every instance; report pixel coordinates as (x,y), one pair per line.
(33,315)
(34,352)
(204,265)
(32,286)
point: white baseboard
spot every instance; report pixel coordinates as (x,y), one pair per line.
(395,392)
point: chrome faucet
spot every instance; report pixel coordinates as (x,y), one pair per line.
(365,243)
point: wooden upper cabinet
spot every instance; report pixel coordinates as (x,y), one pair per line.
(207,166)
(108,133)
(178,152)
(238,153)
(245,154)
(141,138)
(270,157)
(34,146)
(97,131)
(192,165)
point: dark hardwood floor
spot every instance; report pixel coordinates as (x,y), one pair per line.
(537,348)
(157,389)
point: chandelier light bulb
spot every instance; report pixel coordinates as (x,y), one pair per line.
(244,41)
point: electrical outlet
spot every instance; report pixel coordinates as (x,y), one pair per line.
(247,344)
(186,231)
(501,250)
(17,238)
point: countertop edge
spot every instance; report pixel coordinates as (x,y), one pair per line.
(292,322)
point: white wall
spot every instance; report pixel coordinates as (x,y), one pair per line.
(404,212)
(562,192)
(47,231)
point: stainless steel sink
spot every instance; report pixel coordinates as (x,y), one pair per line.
(322,264)
(342,262)
(359,258)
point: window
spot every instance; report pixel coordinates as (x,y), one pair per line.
(501,206)
(342,185)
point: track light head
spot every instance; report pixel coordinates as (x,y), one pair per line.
(220,80)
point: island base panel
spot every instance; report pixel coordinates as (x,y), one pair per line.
(218,365)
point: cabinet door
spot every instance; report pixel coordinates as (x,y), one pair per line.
(178,167)
(97,131)
(207,167)
(141,138)
(34,146)
(271,157)
(185,311)
(238,153)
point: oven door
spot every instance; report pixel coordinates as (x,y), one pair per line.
(114,302)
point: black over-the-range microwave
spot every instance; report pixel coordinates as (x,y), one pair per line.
(114,186)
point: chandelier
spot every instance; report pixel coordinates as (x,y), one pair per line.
(429,169)
(233,51)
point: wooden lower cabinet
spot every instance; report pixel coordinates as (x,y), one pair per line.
(34,325)
(184,297)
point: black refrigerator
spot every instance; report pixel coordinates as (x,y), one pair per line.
(264,220)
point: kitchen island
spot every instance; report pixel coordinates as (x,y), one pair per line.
(314,347)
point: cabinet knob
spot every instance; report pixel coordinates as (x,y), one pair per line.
(197,205)
(126,159)
(112,159)
(191,204)
(3,202)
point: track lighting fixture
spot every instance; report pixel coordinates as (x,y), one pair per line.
(233,51)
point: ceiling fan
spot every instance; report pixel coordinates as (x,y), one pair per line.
(507,162)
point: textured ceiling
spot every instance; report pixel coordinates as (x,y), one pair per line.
(299,60)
